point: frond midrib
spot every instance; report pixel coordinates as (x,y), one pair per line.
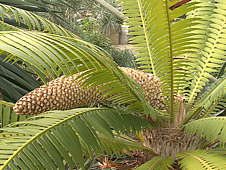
(206,61)
(202,162)
(146,37)
(41,133)
(171,108)
(221,85)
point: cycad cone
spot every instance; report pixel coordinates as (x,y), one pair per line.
(67,93)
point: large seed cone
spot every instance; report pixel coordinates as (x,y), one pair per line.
(67,93)
(150,84)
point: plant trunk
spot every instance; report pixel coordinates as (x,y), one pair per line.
(169,141)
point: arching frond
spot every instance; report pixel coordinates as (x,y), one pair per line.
(157,163)
(54,55)
(209,100)
(120,144)
(54,138)
(162,39)
(218,151)
(31,20)
(216,91)
(15,82)
(211,47)
(40,3)
(7,115)
(201,160)
(218,108)
(7,27)
(40,51)
(212,129)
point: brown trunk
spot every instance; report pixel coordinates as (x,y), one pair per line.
(169,141)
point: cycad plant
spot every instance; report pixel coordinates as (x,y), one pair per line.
(167,109)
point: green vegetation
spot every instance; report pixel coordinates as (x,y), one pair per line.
(183,47)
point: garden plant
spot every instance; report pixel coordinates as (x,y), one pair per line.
(169,109)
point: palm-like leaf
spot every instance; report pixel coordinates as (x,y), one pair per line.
(42,3)
(69,134)
(7,27)
(212,129)
(209,100)
(43,6)
(218,151)
(212,52)
(7,115)
(218,108)
(25,5)
(53,55)
(15,82)
(31,20)
(162,43)
(157,163)
(180,47)
(120,143)
(202,160)
(175,47)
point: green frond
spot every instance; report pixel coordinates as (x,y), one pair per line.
(15,82)
(211,47)
(157,163)
(53,139)
(222,71)
(7,27)
(49,54)
(31,20)
(53,55)
(7,116)
(163,38)
(138,28)
(217,108)
(209,100)
(212,128)
(214,93)
(127,91)
(42,3)
(122,143)
(201,160)
(218,150)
